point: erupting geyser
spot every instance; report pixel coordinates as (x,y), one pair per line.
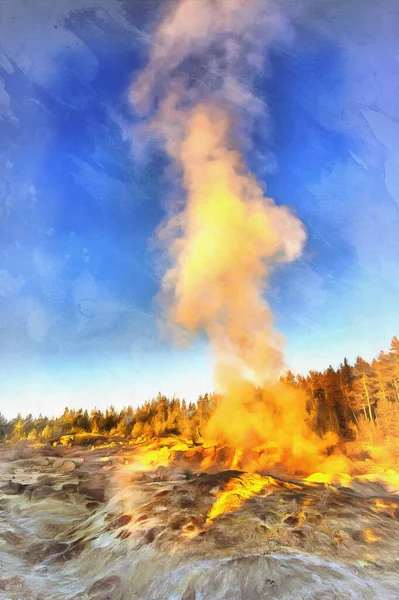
(197,95)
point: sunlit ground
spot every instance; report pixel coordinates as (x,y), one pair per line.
(169,519)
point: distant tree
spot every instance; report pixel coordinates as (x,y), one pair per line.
(111,419)
(338,402)
(385,370)
(47,433)
(346,378)
(137,430)
(394,355)
(18,430)
(183,423)
(148,431)
(203,413)
(4,426)
(173,413)
(362,396)
(32,435)
(41,423)
(382,385)
(388,421)
(96,421)
(289,378)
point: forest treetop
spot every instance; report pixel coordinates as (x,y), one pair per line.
(360,399)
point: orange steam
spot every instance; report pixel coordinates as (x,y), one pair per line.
(273,417)
(231,238)
(225,242)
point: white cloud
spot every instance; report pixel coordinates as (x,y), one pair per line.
(386,130)
(9,285)
(37,325)
(34,33)
(46,265)
(5,103)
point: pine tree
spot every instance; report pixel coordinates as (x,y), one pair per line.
(288,378)
(388,420)
(346,378)
(18,431)
(385,370)
(362,396)
(111,419)
(96,421)
(334,400)
(394,355)
(318,403)
(4,426)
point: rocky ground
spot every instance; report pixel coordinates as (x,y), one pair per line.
(168,521)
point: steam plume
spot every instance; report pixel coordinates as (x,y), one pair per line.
(197,94)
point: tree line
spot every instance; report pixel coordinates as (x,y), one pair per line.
(356,401)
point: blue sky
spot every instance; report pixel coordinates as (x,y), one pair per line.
(79,201)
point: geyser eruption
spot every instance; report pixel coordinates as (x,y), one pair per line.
(232,236)
(224,241)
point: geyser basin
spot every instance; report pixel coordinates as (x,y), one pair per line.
(142,522)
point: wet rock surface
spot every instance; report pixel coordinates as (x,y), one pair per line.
(154,526)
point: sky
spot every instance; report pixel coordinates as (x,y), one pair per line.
(81,198)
